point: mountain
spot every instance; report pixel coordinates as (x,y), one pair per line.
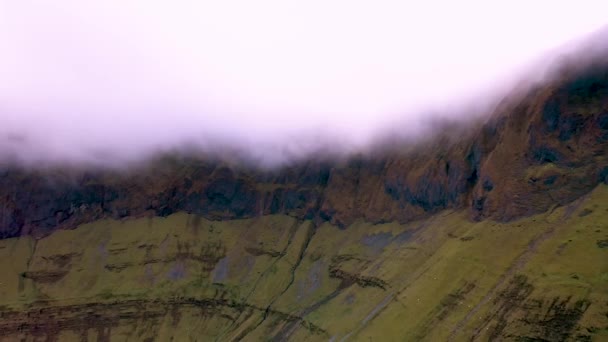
(499,234)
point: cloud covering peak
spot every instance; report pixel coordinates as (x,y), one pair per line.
(88,79)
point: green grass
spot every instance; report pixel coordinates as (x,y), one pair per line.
(450,278)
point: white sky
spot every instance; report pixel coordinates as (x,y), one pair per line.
(132,75)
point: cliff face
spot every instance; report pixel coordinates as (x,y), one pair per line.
(547,148)
(409,245)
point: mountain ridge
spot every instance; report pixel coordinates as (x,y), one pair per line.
(545,148)
(494,231)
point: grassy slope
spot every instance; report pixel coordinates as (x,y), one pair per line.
(444,278)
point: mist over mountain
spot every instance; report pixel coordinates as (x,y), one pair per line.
(111,82)
(303,171)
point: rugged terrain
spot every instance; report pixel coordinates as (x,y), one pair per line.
(501,234)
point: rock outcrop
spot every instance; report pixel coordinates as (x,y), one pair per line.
(546,148)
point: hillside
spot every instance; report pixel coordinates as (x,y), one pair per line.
(499,235)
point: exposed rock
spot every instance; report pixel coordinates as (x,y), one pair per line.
(564,125)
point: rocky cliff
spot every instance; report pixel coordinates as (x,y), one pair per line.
(498,235)
(545,148)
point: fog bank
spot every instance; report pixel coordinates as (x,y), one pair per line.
(109,81)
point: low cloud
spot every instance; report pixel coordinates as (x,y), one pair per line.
(111,81)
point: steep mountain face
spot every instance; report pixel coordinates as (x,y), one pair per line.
(547,148)
(499,235)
